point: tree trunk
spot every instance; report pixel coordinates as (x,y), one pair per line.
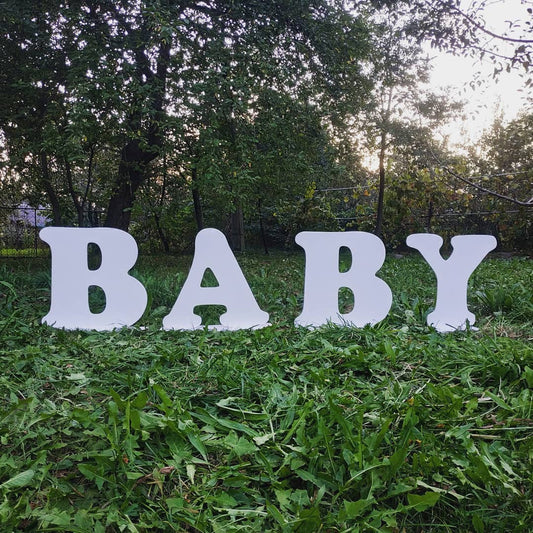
(131,174)
(262,227)
(381,187)
(88,185)
(430,216)
(237,231)
(73,195)
(161,233)
(49,189)
(138,153)
(159,208)
(119,207)
(197,201)
(382,154)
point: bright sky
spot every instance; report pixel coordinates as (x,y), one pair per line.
(505,95)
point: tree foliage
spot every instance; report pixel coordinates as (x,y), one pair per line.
(139,78)
(461,28)
(163,116)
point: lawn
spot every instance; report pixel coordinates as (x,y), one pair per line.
(391,428)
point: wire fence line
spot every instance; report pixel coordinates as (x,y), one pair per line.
(20,226)
(466,214)
(19,230)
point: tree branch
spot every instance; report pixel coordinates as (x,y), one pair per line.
(528,203)
(482,28)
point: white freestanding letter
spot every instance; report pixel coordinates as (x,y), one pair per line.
(451,311)
(71,278)
(373,297)
(212,251)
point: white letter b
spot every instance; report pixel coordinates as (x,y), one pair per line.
(71,278)
(373,297)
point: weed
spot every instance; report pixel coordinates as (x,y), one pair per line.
(389,428)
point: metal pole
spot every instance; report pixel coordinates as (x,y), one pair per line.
(35,229)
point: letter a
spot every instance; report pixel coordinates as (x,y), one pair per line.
(233,290)
(373,297)
(71,278)
(451,311)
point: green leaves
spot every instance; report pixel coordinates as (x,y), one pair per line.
(93,474)
(19,480)
(280,429)
(423,501)
(239,445)
(354,509)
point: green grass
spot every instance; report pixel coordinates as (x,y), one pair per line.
(392,428)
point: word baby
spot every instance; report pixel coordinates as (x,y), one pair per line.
(126,297)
